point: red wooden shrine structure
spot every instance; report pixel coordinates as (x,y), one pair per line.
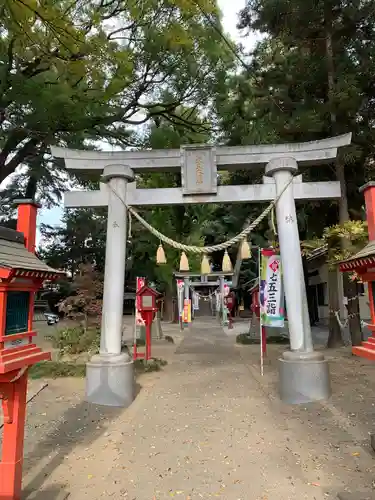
(363,263)
(21,275)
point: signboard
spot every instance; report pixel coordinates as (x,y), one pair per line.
(195,301)
(147,301)
(198,170)
(180,299)
(271,290)
(218,300)
(186,315)
(12,344)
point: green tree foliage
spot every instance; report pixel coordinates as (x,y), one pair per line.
(356,234)
(79,240)
(73,73)
(81,237)
(183,223)
(310,78)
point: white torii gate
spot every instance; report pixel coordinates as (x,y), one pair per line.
(304,374)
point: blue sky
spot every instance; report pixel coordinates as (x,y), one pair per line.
(230,9)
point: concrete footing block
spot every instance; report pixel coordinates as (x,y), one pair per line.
(110,380)
(303,380)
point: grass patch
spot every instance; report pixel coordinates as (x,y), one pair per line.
(57,369)
(246,339)
(61,369)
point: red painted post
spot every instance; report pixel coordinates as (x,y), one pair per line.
(230,321)
(369,193)
(148,340)
(13,437)
(27,212)
(26,221)
(264,341)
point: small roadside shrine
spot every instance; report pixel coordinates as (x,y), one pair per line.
(21,276)
(147,306)
(363,263)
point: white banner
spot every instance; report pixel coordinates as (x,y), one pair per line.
(271,290)
(195,301)
(180,298)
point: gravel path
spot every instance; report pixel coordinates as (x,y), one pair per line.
(201,428)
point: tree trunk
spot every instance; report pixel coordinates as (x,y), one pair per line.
(306,278)
(335,336)
(31,188)
(85,322)
(168,305)
(350,289)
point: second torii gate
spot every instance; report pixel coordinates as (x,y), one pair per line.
(304,373)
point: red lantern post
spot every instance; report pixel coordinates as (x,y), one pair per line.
(147,306)
(21,275)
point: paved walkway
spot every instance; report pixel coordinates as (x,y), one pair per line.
(204,428)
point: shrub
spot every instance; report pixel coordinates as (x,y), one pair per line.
(76,340)
(86,302)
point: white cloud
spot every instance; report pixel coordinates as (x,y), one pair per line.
(231,10)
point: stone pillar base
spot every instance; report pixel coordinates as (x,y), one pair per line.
(110,380)
(303,378)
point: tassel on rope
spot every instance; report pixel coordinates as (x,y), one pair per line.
(160,255)
(205,265)
(245,250)
(184,263)
(227,263)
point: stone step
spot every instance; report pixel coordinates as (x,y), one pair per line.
(368,345)
(364,352)
(371,340)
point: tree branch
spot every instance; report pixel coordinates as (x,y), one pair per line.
(14,138)
(21,155)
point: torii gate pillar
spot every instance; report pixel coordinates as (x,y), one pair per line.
(110,374)
(303,372)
